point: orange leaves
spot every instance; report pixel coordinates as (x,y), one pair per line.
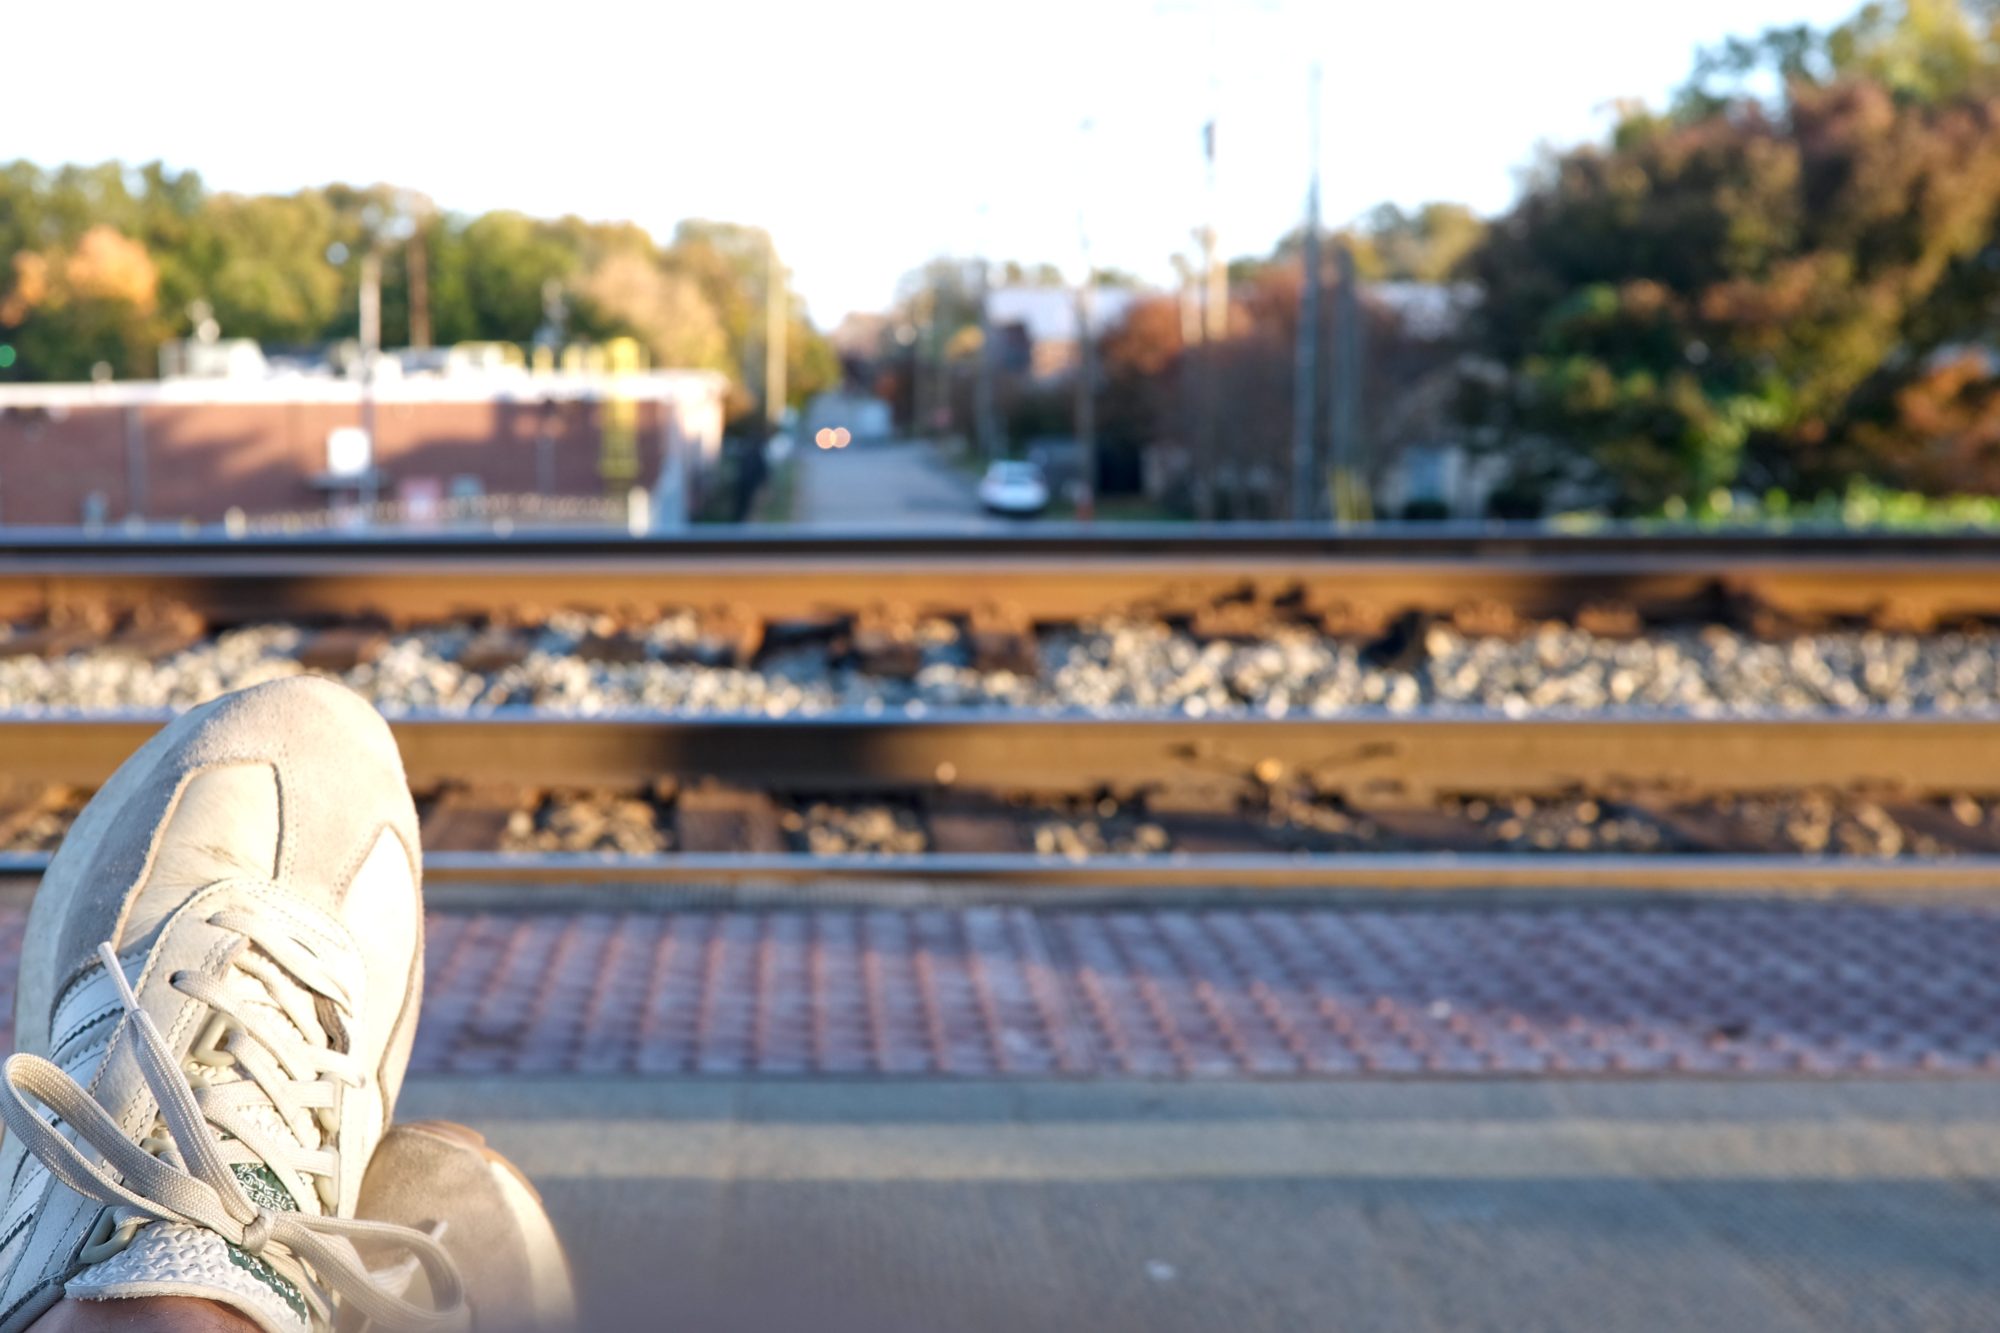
(104,265)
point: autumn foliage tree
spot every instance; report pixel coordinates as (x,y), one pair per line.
(100,264)
(1747,291)
(71,309)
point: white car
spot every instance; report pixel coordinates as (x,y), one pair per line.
(1014,488)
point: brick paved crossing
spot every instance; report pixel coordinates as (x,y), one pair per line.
(1704,989)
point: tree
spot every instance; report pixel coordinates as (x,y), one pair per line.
(74,240)
(1429,244)
(731,263)
(1919,50)
(631,293)
(70,309)
(265,272)
(1699,301)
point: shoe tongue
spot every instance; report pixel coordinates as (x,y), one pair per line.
(167,1259)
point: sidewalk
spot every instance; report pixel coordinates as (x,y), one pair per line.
(1810,989)
(1559,1206)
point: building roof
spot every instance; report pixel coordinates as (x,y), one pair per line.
(1049,313)
(513,387)
(1425,309)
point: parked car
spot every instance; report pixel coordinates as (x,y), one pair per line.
(1014,488)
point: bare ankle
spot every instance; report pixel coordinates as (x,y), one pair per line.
(144,1314)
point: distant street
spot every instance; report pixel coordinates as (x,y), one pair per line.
(1562,1206)
(877,485)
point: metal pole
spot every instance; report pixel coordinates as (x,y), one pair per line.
(1347,344)
(417,259)
(371,343)
(1214,323)
(982,386)
(1215,295)
(1086,403)
(1305,396)
(1086,362)
(775,321)
(924,377)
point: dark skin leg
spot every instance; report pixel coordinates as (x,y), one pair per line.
(147,1314)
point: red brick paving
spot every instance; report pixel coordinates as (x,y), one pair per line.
(1710,989)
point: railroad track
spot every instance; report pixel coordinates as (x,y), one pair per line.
(1044,574)
(865,594)
(1211,782)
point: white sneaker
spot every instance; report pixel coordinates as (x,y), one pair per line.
(218,989)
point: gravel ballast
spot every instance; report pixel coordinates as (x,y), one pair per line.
(1112,668)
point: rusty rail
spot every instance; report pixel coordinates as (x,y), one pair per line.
(1366,760)
(1049,573)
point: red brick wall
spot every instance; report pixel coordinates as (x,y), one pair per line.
(201,459)
(50,460)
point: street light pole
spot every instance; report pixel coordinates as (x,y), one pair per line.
(371,344)
(982,384)
(1348,341)
(1086,359)
(775,322)
(1214,324)
(1305,397)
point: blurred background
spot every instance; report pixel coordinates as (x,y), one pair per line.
(1156,664)
(1204,261)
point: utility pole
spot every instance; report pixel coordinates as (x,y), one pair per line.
(1349,500)
(371,346)
(1086,401)
(1215,292)
(915,345)
(1305,397)
(982,387)
(1214,324)
(1086,362)
(417,260)
(775,321)
(413,210)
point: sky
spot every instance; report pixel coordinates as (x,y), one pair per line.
(868,135)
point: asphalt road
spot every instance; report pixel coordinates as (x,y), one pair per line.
(884,485)
(1507,1206)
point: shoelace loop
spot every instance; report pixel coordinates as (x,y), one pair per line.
(258,1233)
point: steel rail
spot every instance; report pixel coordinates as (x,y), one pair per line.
(1381,760)
(497,879)
(1455,541)
(1049,573)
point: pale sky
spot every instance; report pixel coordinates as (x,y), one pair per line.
(867,135)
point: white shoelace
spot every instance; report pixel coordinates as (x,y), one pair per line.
(282,1070)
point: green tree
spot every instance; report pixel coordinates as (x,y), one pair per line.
(70,309)
(1703,293)
(731,264)
(1922,50)
(1428,244)
(265,270)
(631,293)
(286,269)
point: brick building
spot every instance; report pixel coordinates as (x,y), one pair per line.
(178,450)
